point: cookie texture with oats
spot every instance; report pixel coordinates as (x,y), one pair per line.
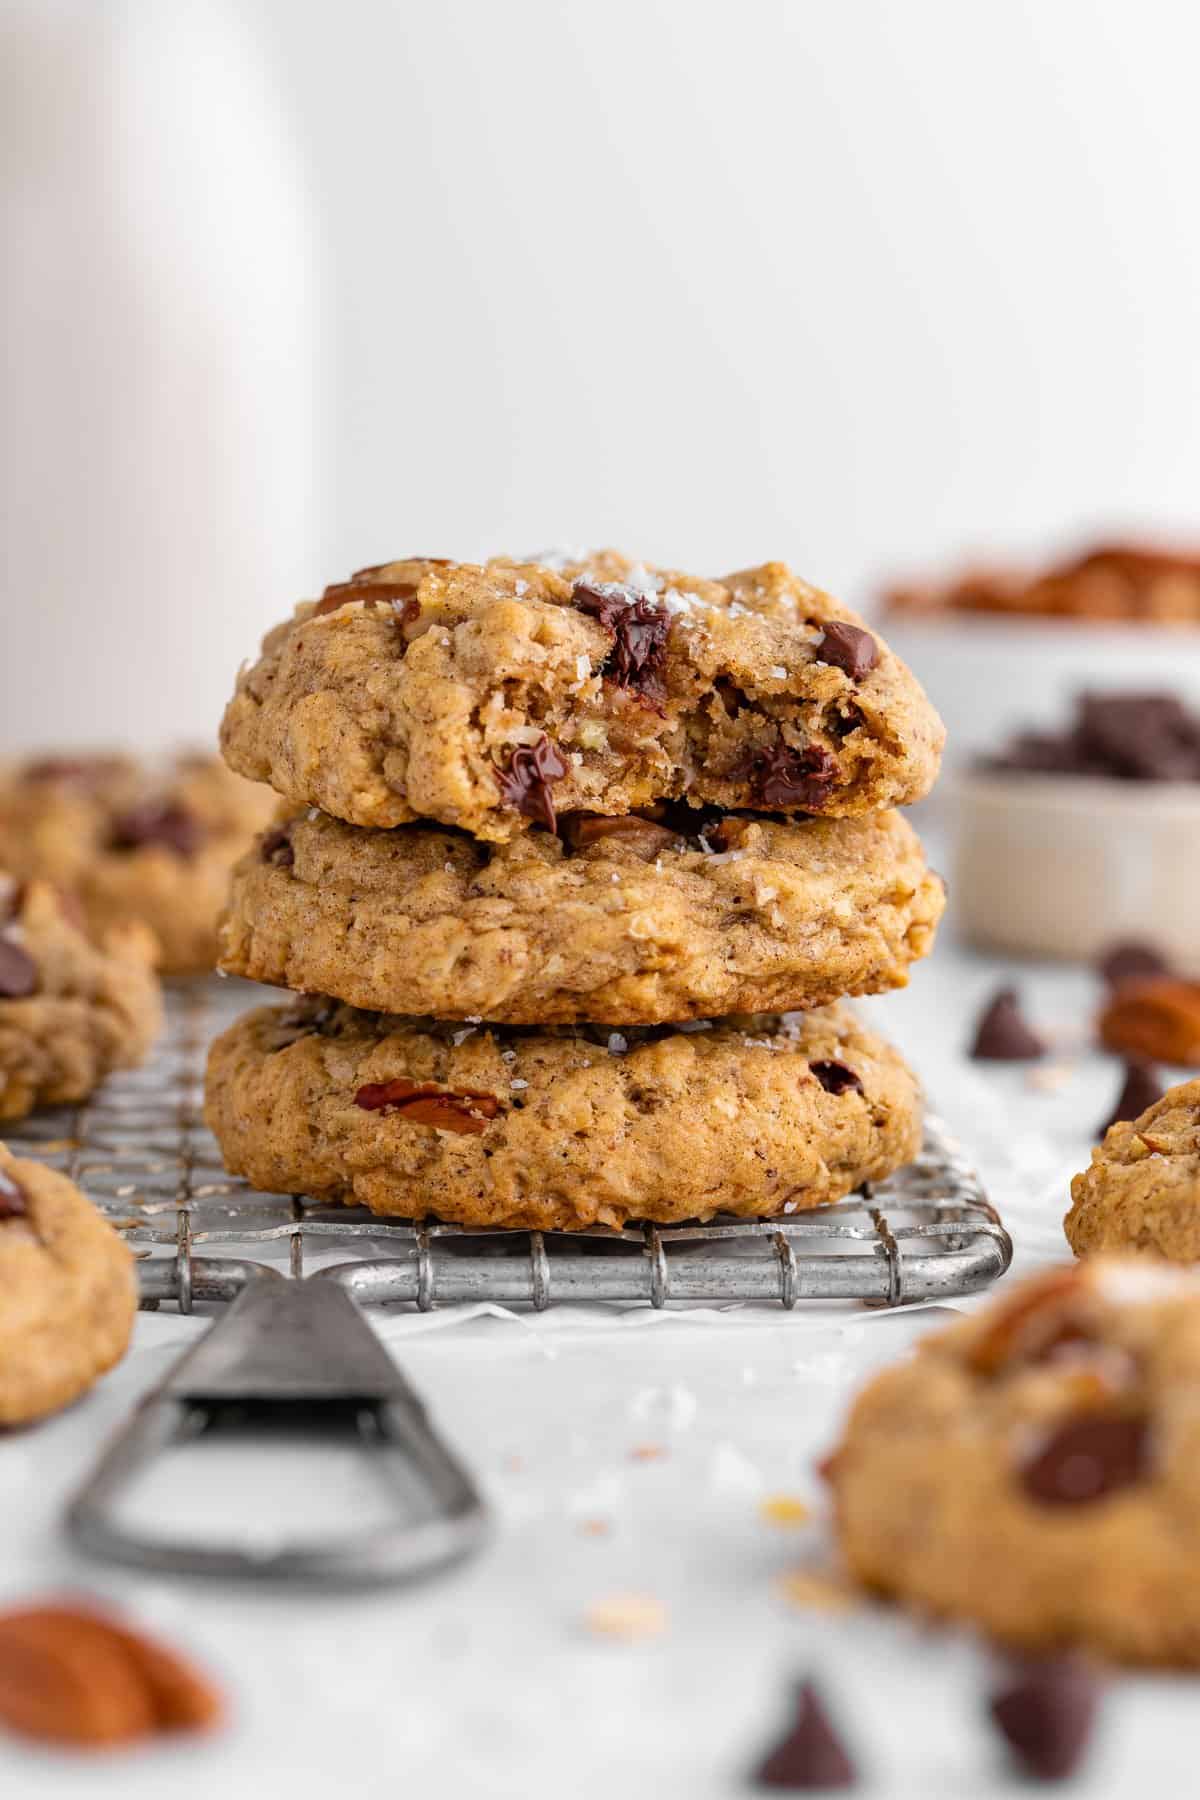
(71,1010)
(627,920)
(134,840)
(493,696)
(1034,1470)
(559,1129)
(67,1291)
(1142,1188)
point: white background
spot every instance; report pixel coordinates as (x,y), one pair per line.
(292,286)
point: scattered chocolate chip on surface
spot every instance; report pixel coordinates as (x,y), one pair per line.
(1046,1712)
(18,971)
(640,630)
(848,648)
(1002,1034)
(13,1204)
(1131,960)
(836,1078)
(467,1111)
(1088,1457)
(525,783)
(1141,1088)
(1123,737)
(162,823)
(811,1757)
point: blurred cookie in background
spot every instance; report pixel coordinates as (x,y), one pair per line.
(134,839)
(1109,581)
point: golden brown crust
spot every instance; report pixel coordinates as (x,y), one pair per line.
(67,1293)
(1142,1188)
(636,926)
(59,818)
(1035,1469)
(559,1130)
(90,1008)
(416,707)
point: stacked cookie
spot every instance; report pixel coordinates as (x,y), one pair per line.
(578,860)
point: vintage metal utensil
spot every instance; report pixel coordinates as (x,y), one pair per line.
(295,1358)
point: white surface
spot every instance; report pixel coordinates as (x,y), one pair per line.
(290,287)
(483,1682)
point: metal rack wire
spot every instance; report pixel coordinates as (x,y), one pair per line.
(140,1150)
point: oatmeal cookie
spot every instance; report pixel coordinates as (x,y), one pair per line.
(492,697)
(71,1010)
(1035,1469)
(134,841)
(634,919)
(67,1292)
(1142,1190)
(559,1129)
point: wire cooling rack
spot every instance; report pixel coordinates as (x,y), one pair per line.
(139,1148)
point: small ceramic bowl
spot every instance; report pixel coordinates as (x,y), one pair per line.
(1064,866)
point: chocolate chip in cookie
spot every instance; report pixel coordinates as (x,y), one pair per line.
(836,1078)
(1088,1457)
(1141,1088)
(463,1110)
(782,776)
(640,630)
(579,830)
(371,593)
(525,783)
(848,648)
(162,823)
(13,1204)
(1002,1034)
(276,847)
(18,971)
(811,1756)
(1046,1712)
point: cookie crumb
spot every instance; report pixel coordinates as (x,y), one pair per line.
(815,1590)
(631,1618)
(787,1510)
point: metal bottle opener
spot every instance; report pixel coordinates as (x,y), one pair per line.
(292,1357)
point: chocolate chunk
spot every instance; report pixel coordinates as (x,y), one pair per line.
(642,836)
(1089,1457)
(811,1755)
(1124,737)
(836,1078)
(525,783)
(13,1204)
(640,630)
(1046,1713)
(849,649)
(18,971)
(276,847)
(465,1110)
(157,822)
(784,777)
(1141,1089)
(1002,1034)
(1131,960)
(371,593)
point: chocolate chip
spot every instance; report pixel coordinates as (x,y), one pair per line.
(13,1204)
(1002,1034)
(848,648)
(1124,737)
(785,777)
(811,1756)
(276,847)
(640,630)
(18,971)
(643,837)
(1141,1089)
(836,1078)
(1088,1457)
(1046,1713)
(464,1110)
(1131,960)
(525,783)
(164,823)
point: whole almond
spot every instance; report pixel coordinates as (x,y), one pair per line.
(1158,1018)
